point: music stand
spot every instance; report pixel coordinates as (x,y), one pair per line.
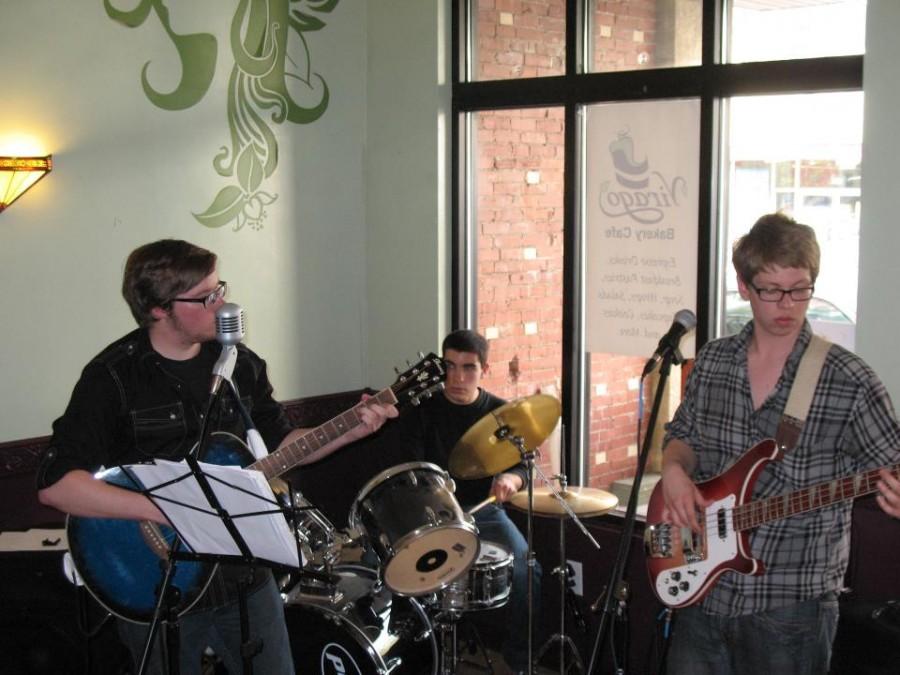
(223,514)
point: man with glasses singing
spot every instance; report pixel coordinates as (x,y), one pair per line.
(784,620)
(144,397)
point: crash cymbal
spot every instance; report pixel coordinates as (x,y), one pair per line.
(584,501)
(481,452)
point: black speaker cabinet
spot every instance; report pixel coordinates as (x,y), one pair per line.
(44,630)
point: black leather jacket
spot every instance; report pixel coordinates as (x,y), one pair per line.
(128,406)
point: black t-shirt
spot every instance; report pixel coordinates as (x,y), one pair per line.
(429,432)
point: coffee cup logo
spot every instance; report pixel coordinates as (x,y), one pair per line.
(638,192)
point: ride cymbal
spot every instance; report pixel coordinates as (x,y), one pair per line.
(584,501)
(487,449)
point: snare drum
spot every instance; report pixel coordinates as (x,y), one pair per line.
(487,585)
(357,627)
(421,535)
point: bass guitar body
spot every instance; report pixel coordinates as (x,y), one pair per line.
(684,565)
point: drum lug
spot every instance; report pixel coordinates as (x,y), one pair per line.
(386,544)
(391,665)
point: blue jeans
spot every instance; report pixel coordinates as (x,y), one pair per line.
(792,640)
(220,629)
(494,525)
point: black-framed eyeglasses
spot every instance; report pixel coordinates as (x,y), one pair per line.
(776,294)
(207,300)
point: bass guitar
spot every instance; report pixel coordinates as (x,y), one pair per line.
(123,562)
(684,565)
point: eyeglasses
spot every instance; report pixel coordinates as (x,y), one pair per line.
(776,294)
(208,300)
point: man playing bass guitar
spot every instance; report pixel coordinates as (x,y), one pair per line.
(783,620)
(144,397)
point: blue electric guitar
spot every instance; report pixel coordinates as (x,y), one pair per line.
(120,560)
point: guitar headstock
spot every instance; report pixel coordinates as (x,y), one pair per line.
(420,381)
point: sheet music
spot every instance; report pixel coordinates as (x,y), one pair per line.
(268,535)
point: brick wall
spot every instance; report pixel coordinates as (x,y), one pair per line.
(519,193)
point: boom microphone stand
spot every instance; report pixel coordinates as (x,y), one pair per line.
(617,589)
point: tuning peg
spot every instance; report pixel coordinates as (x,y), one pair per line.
(421,355)
(396,370)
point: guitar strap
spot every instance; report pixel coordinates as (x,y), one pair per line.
(802,391)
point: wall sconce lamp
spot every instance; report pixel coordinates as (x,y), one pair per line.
(18,174)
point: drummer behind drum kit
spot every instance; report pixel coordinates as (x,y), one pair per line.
(401,617)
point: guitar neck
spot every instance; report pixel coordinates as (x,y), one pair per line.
(294,453)
(756,513)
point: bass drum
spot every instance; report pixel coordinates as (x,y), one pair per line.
(357,627)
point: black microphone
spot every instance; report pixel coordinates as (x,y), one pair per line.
(668,343)
(229,332)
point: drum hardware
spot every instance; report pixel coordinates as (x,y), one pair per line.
(500,440)
(321,545)
(446,624)
(563,503)
(487,586)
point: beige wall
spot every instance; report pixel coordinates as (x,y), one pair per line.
(317,281)
(878,319)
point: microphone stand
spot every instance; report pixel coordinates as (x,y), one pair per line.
(617,588)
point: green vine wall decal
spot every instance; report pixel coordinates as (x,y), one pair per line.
(259,92)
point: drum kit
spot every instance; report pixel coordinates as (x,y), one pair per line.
(400,616)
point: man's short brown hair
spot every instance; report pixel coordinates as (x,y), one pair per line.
(776,239)
(157,272)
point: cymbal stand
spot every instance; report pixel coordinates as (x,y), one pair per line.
(446,623)
(446,628)
(561,637)
(503,433)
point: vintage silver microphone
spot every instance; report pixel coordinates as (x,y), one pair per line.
(230,330)
(229,333)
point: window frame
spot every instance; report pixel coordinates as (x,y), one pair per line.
(713,82)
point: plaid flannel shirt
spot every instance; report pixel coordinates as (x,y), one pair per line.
(850,427)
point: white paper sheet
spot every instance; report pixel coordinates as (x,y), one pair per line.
(267,535)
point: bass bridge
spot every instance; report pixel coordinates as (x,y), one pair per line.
(681,544)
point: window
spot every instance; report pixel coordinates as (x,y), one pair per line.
(519,205)
(799,154)
(770,30)
(779,131)
(518,39)
(639,34)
